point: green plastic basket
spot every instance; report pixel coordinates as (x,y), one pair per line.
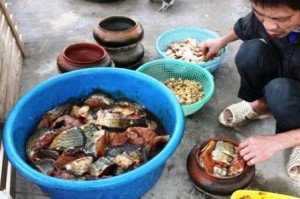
(164,69)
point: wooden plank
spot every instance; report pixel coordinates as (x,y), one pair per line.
(18,74)
(11,60)
(15,31)
(4,171)
(4,74)
(9,173)
(14,78)
(11,81)
(2,17)
(2,167)
(8,17)
(2,55)
(11,184)
(3,27)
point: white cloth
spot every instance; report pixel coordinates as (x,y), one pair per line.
(297,30)
(4,195)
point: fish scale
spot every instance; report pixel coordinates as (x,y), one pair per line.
(68,139)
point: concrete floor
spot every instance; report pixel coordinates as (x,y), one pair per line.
(48,26)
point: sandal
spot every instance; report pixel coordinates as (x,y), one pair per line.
(293,165)
(241,114)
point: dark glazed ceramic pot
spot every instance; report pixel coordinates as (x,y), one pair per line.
(211,185)
(82,55)
(128,56)
(121,36)
(118,31)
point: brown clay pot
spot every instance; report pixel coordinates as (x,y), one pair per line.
(82,55)
(121,36)
(211,185)
(118,31)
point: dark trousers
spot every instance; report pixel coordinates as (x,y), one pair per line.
(261,77)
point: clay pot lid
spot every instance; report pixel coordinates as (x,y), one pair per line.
(213,185)
(84,53)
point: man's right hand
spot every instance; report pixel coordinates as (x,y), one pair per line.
(211,48)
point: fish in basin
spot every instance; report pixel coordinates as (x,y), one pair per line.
(95,138)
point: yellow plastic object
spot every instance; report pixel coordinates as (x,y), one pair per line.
(251,194)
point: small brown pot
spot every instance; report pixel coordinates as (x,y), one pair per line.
(212,185)
(118,31)
(82,55)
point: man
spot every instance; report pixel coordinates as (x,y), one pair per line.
(268,62)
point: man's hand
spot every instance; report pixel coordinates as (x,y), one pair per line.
(211,48)
(259,148)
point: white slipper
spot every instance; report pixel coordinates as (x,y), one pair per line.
(293,165)
(241,114)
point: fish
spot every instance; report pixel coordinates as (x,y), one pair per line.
(116,139)
(100,138)
(151,124)
(45,166)
(95,144)
(120,117)
(205,158)
(65,122)
(219,171)
(80,165)
(225,147)
(39,140)
(130,103)
(123,161)
(236,166)
(68,156)
(80,111)
(68,139)
(45,153)
(224,152)
(99,100)
(53,114)
(63,174)
(102,166)
(140,136)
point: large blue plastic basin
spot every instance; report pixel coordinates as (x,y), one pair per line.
(78,84)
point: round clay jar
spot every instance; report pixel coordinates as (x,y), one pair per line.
(210,184)
(82,55)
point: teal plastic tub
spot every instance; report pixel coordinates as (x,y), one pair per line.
(78,84)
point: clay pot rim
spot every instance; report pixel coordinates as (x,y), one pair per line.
(64,65)
(85,44)
(203,144)
(117,31)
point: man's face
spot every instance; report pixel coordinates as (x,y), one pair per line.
(278,21)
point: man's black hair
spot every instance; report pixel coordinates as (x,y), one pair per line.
(293,4)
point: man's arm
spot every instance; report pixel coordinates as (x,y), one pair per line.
(228,38)
(259,148)
(211,48)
